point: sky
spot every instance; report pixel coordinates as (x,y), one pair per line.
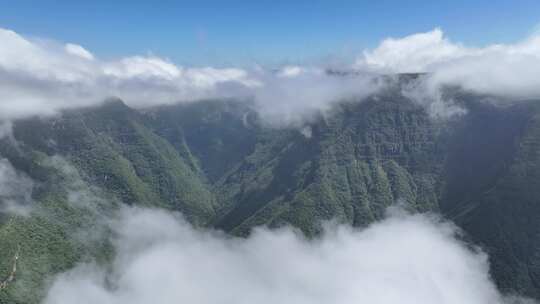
(225,33)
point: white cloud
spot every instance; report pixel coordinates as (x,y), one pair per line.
(291,97)
(41,78)
(24,58)
(411,54)
(503,70)
(290,71)
(142,67)
(161,259)
(77,50)
(15,190)
(38,78)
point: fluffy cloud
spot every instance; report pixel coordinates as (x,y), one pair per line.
(40,78)
(291,71)
(77,50)
(411,54)
(161,259)
(502,70)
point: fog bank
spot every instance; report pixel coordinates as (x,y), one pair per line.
(162,259)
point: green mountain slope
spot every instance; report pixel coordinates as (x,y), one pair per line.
(115,150)
(357,161)
(221,166)
(495,193)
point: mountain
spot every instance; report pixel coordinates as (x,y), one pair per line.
(221,166)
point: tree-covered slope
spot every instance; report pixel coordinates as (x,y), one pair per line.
(220,165)
(63,226)
(493,191)
(117,152)
(355,162)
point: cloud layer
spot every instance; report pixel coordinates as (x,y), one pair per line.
(161,259)
(39,77)
(503,70)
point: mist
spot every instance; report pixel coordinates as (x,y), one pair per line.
(15,190)
(402,259)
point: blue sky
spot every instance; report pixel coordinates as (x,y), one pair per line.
(245,32)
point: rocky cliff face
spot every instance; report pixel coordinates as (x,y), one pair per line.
(218,164)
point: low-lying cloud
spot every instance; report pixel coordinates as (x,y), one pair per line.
(403,259)
(40,77)
(15,190)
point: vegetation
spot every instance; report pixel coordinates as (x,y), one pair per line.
(219,165)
